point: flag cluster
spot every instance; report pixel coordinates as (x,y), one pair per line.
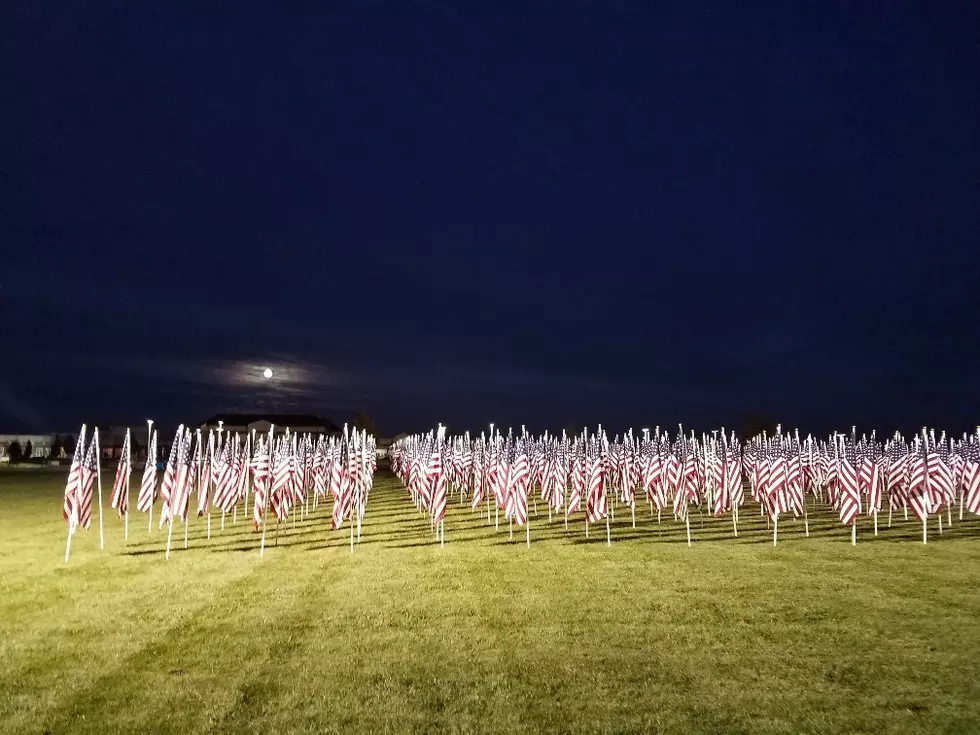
(711,473)
(284,472)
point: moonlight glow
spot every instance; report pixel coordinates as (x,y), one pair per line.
(267,373)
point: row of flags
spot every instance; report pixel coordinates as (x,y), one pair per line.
(283,473)
(592,475)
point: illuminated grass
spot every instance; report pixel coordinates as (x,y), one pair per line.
(484,635)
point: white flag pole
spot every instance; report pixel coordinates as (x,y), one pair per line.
(170,503)
(187,503)
(129,467)
(362,506)
(928,491)
(170,533)
(73,514)
(149,442)
(248,484)
(98,469)
(265,500)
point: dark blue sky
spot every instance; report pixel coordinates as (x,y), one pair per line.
(541,212)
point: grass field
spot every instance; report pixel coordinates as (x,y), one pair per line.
(730,636)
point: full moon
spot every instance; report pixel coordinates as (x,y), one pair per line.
(267,373)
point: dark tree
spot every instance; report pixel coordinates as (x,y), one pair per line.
(69,445)
(14,452)
(363,422)
(28,450)
(134,446)
(56,448)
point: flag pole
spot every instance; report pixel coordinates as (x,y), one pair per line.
(441,530)
(349,441)
(265,500)
(149,432)
(248,484)
(962,487)
(129,467)
(211,464)
(71,530)
(925,481)
(187,509)
(98,470)
(170,526)
(363,494)
(724,479)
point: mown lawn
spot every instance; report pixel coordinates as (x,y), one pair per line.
(730,636)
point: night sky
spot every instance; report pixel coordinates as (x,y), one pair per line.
(540,213)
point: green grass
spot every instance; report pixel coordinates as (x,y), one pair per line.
(647,635)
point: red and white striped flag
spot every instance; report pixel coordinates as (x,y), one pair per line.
(87,476)
(207,475)
(850,491)
(436,480)
(120,488)
(595,505)
(517,490)
(186,469)
(148,485)
(168,487)
(70,507)
(260,480)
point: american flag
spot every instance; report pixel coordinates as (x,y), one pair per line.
(318,470)
(479,474)
(919,496)
(168,487)
(578,482)
(971,476)
(685,478)
(517,490)
(424,486)
(185,476)
(436,480)
(226,489)
(338,487)
(850,491)
(260,480)
(870,479)
(300,459)
(207,475)
(499,468)
(239,481)
(897,474)
(87,475)
(723,495)
(595,505)
(148,485)
(941,476)
(119,498)
(733,479)
(70,508)
(280,493)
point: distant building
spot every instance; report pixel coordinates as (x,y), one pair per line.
(40,443)
(112,438)
(244,423)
